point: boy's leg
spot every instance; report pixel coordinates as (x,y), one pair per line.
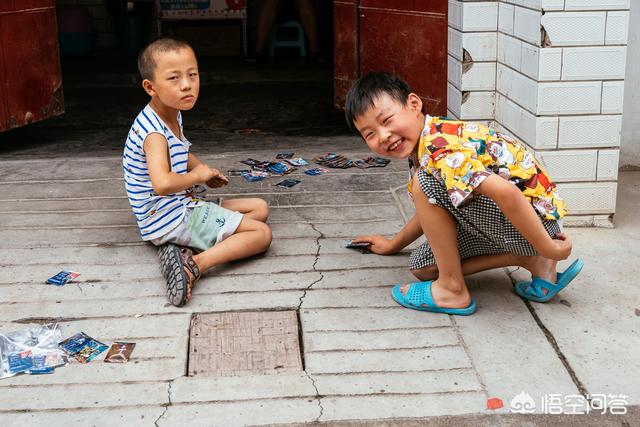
(252,208)
(439,227)
(251,237)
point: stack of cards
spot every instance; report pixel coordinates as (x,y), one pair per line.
(82,347)
(288,183)
(280,168)
(334,160)
(371,162)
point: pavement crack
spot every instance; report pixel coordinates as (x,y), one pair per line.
(315,262)
(318,397)
(166,407)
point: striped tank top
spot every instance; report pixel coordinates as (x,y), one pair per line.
(156,215)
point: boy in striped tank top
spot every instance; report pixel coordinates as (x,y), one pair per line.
(164,181)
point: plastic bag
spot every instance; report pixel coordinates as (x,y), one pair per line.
(32,350)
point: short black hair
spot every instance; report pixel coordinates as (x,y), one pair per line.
(146,58)
(367,88)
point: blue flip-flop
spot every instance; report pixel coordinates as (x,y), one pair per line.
(532,290)
(418,297)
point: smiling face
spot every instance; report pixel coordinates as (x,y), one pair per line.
(390,128)
(176,83)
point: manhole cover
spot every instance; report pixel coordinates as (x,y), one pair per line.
(244,343)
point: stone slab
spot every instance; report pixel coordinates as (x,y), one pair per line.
(245,343)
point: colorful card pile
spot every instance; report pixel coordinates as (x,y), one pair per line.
(280,168)
(334,160)
(82,347)
(371,162)
(297,162)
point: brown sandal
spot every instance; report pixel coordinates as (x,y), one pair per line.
(180,271)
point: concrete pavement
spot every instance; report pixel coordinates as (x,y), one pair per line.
(365,357)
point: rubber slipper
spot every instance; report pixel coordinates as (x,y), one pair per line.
(419,297)
(533,290)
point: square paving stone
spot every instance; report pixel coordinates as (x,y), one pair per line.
(243,343)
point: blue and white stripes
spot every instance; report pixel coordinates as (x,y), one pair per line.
(156,215)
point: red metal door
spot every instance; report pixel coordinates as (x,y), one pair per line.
(30,77)
(404,37)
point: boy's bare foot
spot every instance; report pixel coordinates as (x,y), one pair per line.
(444,297)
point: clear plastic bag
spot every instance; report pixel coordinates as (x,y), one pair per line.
(32,350)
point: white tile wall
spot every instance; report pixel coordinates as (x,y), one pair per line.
(481,76)
(552,5)
(550,64)
(509,51)
(454,43)
(569,98)
(612,97)
(589,197)
(530,60)
(617,28)
(526,25)
(479,16)
(547,132)
(454,72)
(590,131)
(517,87)
(595,4)
(574,165)
(537,132)
(481,46)
(455,14)
(594,63)
(477,106)
(505,18)
(575,28)
(608,163)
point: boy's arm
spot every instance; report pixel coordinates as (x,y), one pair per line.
(193,161)
(383,246)
(523,217)
(165,181)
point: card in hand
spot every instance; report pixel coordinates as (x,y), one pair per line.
(288,183)
(357,245)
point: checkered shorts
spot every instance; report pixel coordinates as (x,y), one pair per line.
(482,227)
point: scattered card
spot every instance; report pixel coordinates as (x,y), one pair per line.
(120,352)
(316,171)
(255,176)
(280,168)
(237,172)
(284,155)
(288,183)
(62,278)
(297,162)
(250,162)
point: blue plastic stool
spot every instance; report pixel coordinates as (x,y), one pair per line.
(288,34)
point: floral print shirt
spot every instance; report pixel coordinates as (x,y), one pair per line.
(462,154)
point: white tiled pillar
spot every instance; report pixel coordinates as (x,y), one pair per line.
(472,59)
(559,88)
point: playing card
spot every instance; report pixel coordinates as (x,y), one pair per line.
(297,162)
(356,245)
(250,162)
(288,183)
(316,171)
(120,352)
(255,176)
(284,155)
(62,278)
(237,172)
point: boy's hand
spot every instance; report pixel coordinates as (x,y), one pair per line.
(379,244)
(559,249)
(219,180)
